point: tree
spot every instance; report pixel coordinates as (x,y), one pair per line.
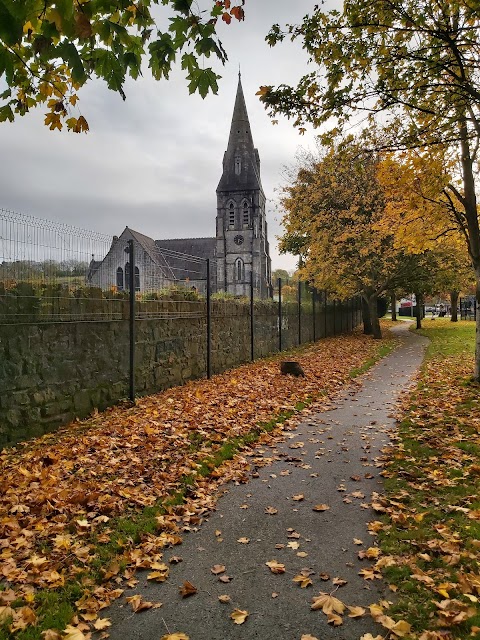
(50,48)
(334,204)
(416,64)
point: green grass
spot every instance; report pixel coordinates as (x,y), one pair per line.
(55,608)
(448,338)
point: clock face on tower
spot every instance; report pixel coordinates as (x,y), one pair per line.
(238,240)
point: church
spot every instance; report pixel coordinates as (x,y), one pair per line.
(238,251)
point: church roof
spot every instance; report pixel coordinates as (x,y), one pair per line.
(187,256)
(241,162)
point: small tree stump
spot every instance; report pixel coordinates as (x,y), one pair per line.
(289,367)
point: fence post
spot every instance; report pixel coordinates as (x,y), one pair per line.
(279,314)
(313,313)
(325,320)
(209,323)
(334,319)
(252,335)
(131,284)
(299,312)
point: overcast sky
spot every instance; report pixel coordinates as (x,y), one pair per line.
(154,161)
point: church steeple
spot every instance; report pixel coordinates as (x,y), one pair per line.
(241,162)
(242,254)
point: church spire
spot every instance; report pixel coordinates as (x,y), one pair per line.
(241,164)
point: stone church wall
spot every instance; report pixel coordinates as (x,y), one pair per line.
(51,373)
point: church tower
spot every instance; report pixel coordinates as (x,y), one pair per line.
(242,245)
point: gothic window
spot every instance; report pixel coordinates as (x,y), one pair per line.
(137,279)
(246,214)
(239,270)
(120,279)
(231,215)
(238,165)
(127,276)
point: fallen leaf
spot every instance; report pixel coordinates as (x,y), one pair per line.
(187,589)
(321,507)
(271,511)
(225,578)
(333,618)
(239,616)
(298,497)
(243,540)
(138,603)
(224,599)
(73,633)
(275,567)
(218,568)
(328,604)
(302,581)
(102,623)
(175,636)
(356,612)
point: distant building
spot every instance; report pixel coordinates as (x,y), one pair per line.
(239,250)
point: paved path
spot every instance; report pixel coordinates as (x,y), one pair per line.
(329,459)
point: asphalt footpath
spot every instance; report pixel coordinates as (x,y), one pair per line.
(329,460)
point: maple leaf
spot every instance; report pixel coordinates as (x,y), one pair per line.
(176,636)
(333,618)
(239,616)
(271,510)
(298,497)
(73,633)
(275,567)
(302,581)
(102,623)
(187,589)
(328,604)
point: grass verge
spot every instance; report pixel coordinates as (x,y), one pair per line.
(430,531)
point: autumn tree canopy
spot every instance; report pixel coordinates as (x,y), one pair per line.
(50,48)
(417,65)
(334,206)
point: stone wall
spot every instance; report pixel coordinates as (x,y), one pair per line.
(51,373)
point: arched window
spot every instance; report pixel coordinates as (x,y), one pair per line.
(239,270)
(246,214)
(137,279)
(127,276)
(120,279)
(231,214)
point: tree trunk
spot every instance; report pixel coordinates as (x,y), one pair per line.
(372,307)
(418,309)
(454,305)
(393,302)
(367,322)
(473,230)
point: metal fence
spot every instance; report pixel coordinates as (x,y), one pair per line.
(56,273)
(468,308)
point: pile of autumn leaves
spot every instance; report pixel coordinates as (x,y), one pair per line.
(61,495)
